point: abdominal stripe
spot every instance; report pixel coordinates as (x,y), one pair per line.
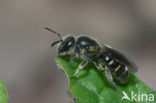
(117,68)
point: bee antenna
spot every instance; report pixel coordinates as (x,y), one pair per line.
(54,32)
(55,43)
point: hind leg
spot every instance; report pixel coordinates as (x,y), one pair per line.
(109,77)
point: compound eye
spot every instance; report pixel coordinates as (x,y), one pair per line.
(66,45)
(69,43)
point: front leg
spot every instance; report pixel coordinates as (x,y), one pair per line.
(81,66)
(72,58)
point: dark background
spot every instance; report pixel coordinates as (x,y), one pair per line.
(27,62)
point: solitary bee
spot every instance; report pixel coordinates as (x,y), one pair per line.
(113,63)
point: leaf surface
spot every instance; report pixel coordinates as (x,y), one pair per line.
(91,86)
(3,93)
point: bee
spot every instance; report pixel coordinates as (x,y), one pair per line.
(113,63)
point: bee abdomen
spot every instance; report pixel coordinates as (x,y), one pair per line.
(119,70)
(122,75)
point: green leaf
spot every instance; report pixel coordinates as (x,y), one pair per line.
(91,86)
(3,93)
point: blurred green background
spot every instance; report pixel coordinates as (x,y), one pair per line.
(27,62)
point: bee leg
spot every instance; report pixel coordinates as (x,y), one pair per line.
(81,66)
(72,58)
(110,79)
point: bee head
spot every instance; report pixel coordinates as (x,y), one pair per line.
(65,44)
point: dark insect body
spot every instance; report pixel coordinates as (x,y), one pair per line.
(113,63)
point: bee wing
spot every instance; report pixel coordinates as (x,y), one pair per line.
(123,59)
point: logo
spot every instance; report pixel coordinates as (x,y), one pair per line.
(138,96)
